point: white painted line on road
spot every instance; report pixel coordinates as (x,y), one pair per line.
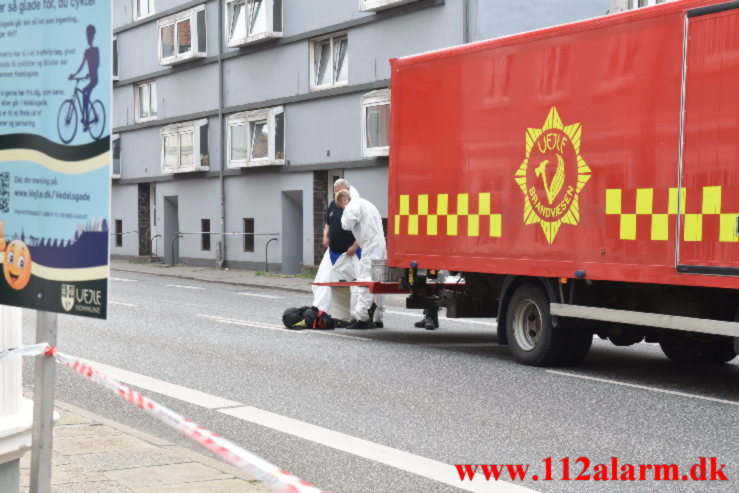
(405,461)
(463,344)
(643,387)
(183,287)
(165,388)
(334,334)
(249,323)
(460,320)
(120,303)
(258,295)
(120,279)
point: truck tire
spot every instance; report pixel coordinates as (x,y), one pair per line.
(531,337)
(691,352)
(578,346)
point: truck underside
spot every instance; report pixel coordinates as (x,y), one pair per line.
(551,321)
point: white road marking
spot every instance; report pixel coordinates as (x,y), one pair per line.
(258,295)
(165,388)
(183,287)
(405,461)
(643,387)
(463,344)
(249,323)
(120,279)
(460,320)
(262,325)
(120,303)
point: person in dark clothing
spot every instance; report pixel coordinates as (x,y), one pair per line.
(342,251)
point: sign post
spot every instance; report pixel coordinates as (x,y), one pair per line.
(55,99)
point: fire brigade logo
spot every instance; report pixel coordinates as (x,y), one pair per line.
(552,175)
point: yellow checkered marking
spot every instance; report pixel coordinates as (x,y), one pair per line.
(692,225)
(441,201)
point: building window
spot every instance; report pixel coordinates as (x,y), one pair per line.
(248,234)
(376,123)
(115,57)
(118,233)
(143,8)
(146,101)
(250,21)
(637,4)
(116,144)
(329,61)
(375,5)
(185,147)
(205,236)
(256,138)
(182,36)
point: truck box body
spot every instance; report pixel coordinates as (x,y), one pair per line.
(608,146)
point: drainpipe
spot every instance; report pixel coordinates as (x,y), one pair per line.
(220,262)
(466,22)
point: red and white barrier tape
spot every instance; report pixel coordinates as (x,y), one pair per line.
(258,468)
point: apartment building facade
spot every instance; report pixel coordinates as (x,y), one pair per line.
(233,117)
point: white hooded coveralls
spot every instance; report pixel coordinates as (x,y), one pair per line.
(345,268)
(363,219)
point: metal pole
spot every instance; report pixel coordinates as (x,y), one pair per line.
(43,405)
(174,258)
(266,252)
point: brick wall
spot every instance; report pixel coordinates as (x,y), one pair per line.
(144,220)
(320,204)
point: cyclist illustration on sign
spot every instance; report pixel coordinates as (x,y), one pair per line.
(93,114)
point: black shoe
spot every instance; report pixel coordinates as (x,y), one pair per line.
(420,324)
(379,325)
(430,325)
(361,325)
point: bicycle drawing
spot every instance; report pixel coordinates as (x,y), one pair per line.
(93,119)
(92,112)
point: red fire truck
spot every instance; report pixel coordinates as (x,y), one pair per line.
(583,178)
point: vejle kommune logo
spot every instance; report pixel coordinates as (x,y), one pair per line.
(552,175)
(82,300)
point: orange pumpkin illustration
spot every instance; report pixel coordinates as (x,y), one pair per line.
(17,265)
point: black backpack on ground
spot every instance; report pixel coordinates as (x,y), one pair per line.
(307,317)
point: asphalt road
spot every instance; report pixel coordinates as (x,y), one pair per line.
(394,410)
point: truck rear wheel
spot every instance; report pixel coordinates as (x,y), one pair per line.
(532,338)
(688,351)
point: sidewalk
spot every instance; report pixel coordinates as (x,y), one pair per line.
(231,276)
(93,454)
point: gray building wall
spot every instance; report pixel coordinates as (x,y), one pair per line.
(322,128)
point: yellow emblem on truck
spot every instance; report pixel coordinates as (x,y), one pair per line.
(552,175)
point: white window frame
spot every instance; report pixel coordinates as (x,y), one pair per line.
(374,98)
(176,131)
(375,5)
(173,20)
(249,38)
(113,138)
(137,11)
(114,56)
(334,83)
(137,102)
(621,5)
(245,119)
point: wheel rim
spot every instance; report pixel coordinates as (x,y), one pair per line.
(96,126)
(67,122)
(527,325)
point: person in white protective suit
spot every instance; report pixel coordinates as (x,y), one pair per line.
(363,219)
(341,260)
